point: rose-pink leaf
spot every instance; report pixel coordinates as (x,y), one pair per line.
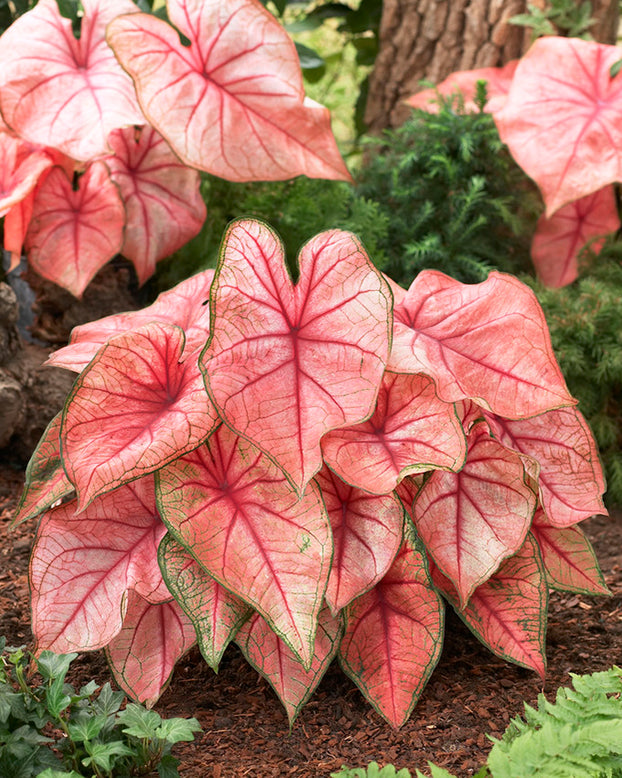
(21,167)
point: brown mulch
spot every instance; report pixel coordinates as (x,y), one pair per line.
(245,729)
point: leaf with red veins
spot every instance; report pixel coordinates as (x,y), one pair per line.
(275,661)
(568,556)
(161,196)
(15,228)
(242,521)
(215,613)
(563,125)
(394,636)
(46,481)
(21,167)
(568,468)
(134,409)
(74,233)
(472,520)
(232,102)
(508,612)
(186,305)
(486,342)
(367,534)
(143,655)
(61,92)
(407,491)
(83,565)
(411,431)
(287,363)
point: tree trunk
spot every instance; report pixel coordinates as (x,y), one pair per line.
(429,39)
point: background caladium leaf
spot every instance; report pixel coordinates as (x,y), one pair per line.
(558,240)
(562,118)
(287,363)
(46,481)
(161,195)
(508,612)
(61,92)
(135,408)
(73,233)
(143,655)
(411,431)
(84,564)
(274,660)
(242,521)
(393,636)
(232,103)
(570,476)
(367,534)
(186,305)
(568,556)
(15,227)
(407,491)
(21,167)
(472,520)
(487,342)
(215,613)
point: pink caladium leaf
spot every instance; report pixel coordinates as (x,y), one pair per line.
(21,167)
(84,564)
(15,228)
(487,342)
(570,475)
(215,613)
(559,239)
(186,305)
(232,102)
(287,363)
(74,232)
(61,92)
(161,196)
(411,431)
(508,612)
(367,534)
(472,520)
(563,124)
(134,409)
(393,636)
(274,660)
(144,653)
(407,491)
(242,521)
(568,556)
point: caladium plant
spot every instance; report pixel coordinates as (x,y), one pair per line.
(311,468)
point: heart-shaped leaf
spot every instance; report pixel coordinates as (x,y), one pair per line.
(488,342)
(287,363)
(411,431)
(563,117)
(367,534)
(161,196)
(144,653)
(241,520)
(15,228)
(393,637)
(472,520)
(21,167)
(61,92)
(215,613)
(135,408)
(558,240)
(84,564)
(230,103)
(74,232)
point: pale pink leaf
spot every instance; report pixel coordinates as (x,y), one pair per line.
(143,655)
(21,167)
(487,342)
(61,92)
(411,431)
(134,409)
(288,363)
(367,534)
(472,520)
(393,637)
(562,119)
(242,521)
(232,102)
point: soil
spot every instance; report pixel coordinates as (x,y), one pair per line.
(245,730)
